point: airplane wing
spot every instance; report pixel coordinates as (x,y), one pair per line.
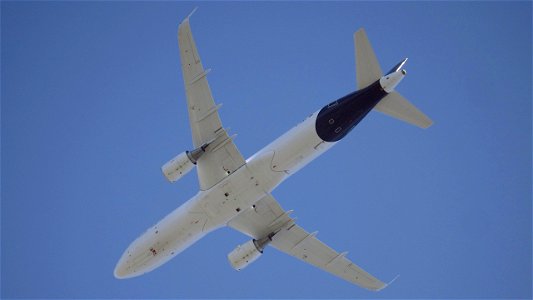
(268,217)
(222,156)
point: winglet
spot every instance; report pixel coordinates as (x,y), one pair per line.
(386,285)
(394,279)
(192,12)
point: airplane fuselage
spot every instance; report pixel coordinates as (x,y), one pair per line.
(263,172)
(236,193)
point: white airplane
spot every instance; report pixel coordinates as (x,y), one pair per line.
(237,193)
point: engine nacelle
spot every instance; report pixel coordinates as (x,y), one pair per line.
(244,255)
(182,164)
(177,167)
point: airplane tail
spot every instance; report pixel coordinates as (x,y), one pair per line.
(368,71)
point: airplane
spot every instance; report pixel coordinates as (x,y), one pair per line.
(236,192)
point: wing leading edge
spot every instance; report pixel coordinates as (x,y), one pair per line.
(222,156)
(268,217)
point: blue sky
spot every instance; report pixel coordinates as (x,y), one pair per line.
(93,104)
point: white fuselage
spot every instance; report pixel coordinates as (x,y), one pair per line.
(215,207)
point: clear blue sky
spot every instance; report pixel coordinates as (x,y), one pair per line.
(93,104)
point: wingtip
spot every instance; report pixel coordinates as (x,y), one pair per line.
(192,12)
(359,31)
(394,279)
(390,282)
(387,284)
(187,18)
(426,124)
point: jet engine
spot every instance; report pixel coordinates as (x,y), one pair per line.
(247,253)
(182,164)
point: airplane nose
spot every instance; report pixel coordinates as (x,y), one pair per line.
(123,268)
(134,262)
(120,271)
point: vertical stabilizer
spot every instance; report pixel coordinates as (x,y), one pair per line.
(368,71)
(366,64)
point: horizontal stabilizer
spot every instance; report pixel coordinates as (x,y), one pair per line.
(398,107)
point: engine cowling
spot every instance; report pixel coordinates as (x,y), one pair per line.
(182,164)
(244,255)
(177,167)
(249,252)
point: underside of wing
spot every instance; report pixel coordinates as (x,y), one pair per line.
(222,156)
(265,217)
(268,217)
(297,242)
